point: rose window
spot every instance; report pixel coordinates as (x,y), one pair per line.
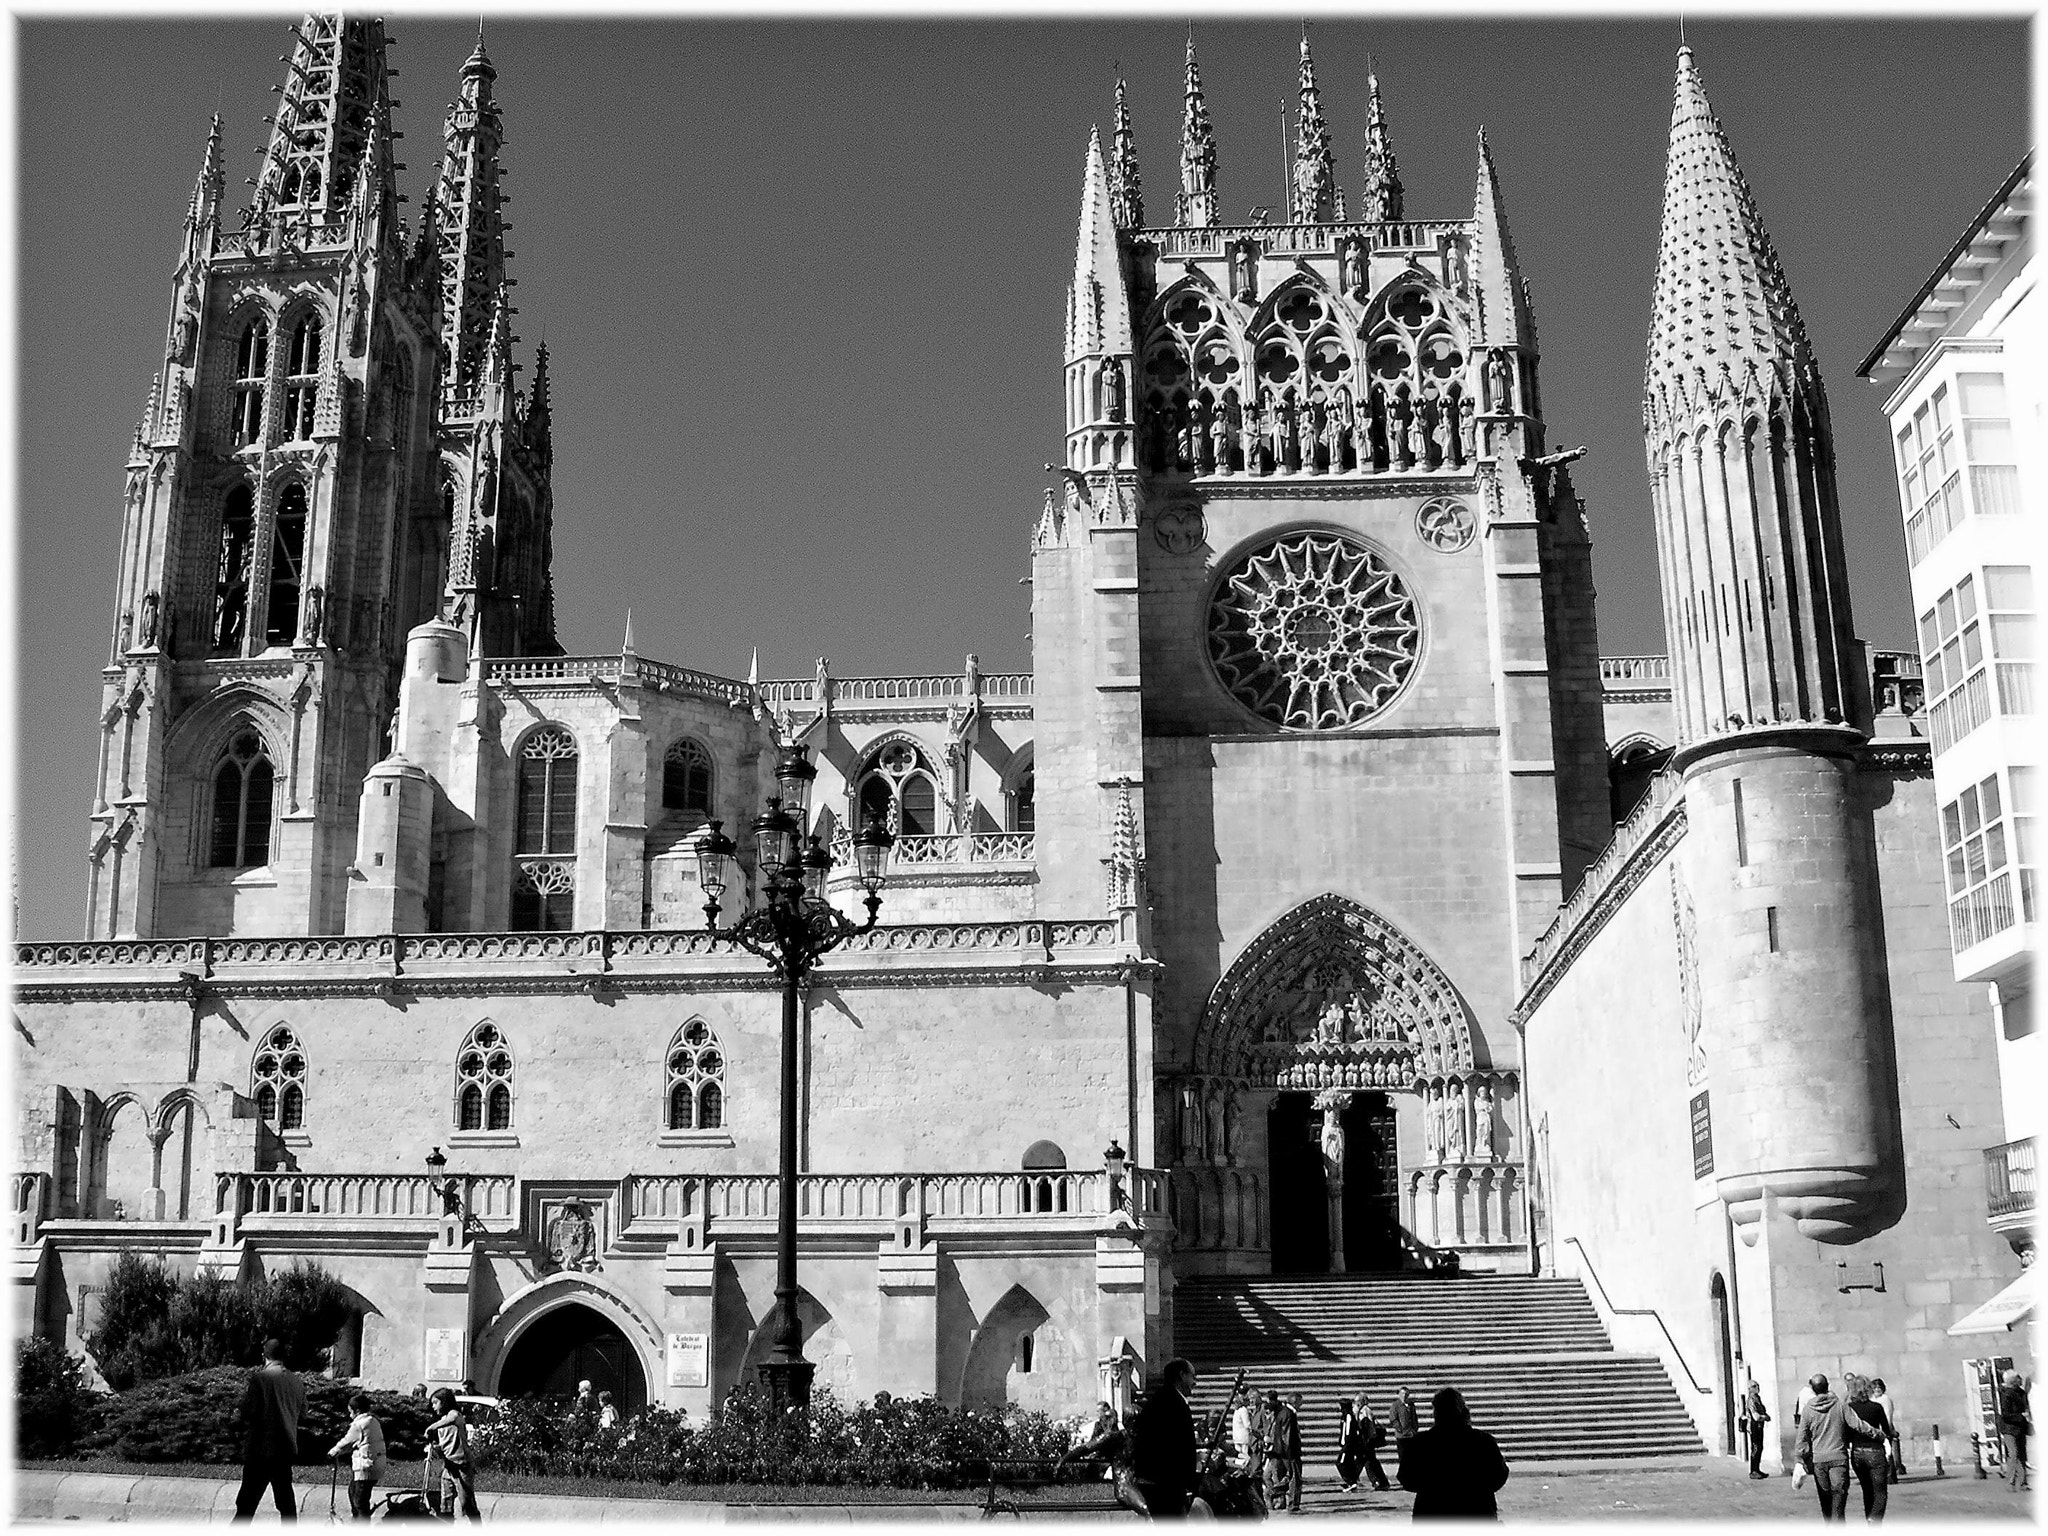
(1314,632)
(1445,524)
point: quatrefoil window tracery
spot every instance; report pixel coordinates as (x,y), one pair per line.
(483,1081)
(696,1079)
(1301,312)
(278,1076)
(1314,632)
(1189,313)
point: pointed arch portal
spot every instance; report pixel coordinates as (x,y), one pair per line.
(1333,996)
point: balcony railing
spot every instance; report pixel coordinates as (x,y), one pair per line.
(2009,1179)
(944,848)
(489,1198)
(1635,669)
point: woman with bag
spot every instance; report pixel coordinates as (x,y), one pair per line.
(1870,1436)
(1754,1417)
(1351,1452)
(1375,1437)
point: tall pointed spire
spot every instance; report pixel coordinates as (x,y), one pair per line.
(1755,585)
(1126,197)
(1099,315)
(1196,206)
(1380,200)
(1505,319)
(1315,172)
(536,427)
(1721,303)
(211,182)
(335,83)
(469,226)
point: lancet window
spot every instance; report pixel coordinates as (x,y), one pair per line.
(302,382)
(233,568)
(696,1079)
(1418,405)
(242,793)
(544,882)
(277,1080)
(287,567)
(483,1081)
(252,373)
(897,786)
(686,780)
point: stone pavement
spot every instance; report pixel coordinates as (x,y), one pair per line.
(1674,1488)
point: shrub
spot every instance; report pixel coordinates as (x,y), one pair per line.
(154,1325)
(53,1407)
(198,1417)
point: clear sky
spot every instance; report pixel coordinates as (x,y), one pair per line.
(802,285)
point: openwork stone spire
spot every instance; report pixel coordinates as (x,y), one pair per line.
(1721,307)
(1380,200)
(211,183)
(1197,203)
(1315,167)
(1098,315)
(1741,461)
(1126,196)
(1504,314)
(469,226)
(333,103)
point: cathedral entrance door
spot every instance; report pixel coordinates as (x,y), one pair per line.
(1300,1202)
(572,1344)
(1372,1185)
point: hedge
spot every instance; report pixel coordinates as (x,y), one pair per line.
(198,1418)
(53,1407)
(154,1325)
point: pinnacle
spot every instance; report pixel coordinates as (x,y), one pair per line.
(1722,306)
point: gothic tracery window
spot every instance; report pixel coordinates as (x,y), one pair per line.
(896,786)
(233,568)
(686,780)
(696,1079)
(287,566)
(302,381)
(252,372)
(1314,632)
(544,881)
(1024,803)
(483,1081)
(242,783)
(277,1080)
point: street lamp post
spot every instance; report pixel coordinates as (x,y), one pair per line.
(790,929)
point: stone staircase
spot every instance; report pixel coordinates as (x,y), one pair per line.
(1529,1354)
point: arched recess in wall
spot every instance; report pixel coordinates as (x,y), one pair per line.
(181,1121)
(531,1304)
(1007,1345)
(1632,766)
(125,1168)
(825,1345)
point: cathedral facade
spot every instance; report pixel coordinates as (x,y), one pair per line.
(1234,937)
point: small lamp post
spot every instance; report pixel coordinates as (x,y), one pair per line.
(451,1200)
(792,927)
(1115,1160)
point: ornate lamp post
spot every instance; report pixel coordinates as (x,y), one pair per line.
(792,927)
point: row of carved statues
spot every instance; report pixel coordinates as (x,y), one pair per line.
(1321,435)
(1464,1119)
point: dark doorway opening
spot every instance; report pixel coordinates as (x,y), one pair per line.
(569,1345)
(1301,1239)
(1372,1185)
(1729,1387)
(1300,1192)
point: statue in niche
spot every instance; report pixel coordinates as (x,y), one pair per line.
(1330,1024)
(1113,390)
(316,614)
(1468,424)
(1220,435)
(1500,381)
(1330,1134)
(1212,1103)
(1190,1121)
(186,333)
(147,633)
(1418,440)
(1433,1125)
(124,634)
(1446,441)
(1454,1126)
(1333,439)
(1484,1143)
(1232,1118)
(1454,268)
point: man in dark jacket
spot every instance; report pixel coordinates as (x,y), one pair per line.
(1825,1434)
(1453,1469)
(1163,1457)
(2015,1423)
(271,1405)
(1404,1425)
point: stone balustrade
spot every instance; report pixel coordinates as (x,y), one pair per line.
(931,687)
(489,1199)
(1466,1205)
(913,850)
(1603,875)
(1635,669)
(538,673)
(1214,239)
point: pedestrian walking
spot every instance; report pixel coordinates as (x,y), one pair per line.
(1375,1437)
(607,1411)
(273,1401)
(1453,1469)
(1825,1434)
(1870,1447)
(1287,1442)
(2015,1424)
(363,1445)
(1244,1432)
(1896,1460)
(1273,1466)
(449,1434)
(1350,1445)
(1754,1417)
(1405,1425)
(1163,1458)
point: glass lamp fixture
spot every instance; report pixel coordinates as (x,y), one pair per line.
(794,773)
(817,866)
(871,845)
(775,839)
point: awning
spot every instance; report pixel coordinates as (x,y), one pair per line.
(2014,1304)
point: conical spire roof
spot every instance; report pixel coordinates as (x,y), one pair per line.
(1315,168)
(1721,299)
(1126,196)
(1197,202)
(1099,314)
(332,108)
(1380,200)
(469,227)
(1504,315)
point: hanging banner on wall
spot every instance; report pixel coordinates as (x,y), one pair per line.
(1702,1137)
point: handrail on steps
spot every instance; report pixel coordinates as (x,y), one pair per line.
(1676,1352)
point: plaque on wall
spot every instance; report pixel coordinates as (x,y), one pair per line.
(447,1354)
(689,1360)
(1702,1137)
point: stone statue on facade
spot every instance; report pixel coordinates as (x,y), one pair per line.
(1469,428)
(1113,390)
(1454,1126)
(1484,1142)
(1433,1125)
(1418,441)
(1219,437)
(1500,381)
(124,634)
(146,635)
(316,614)
(1330,1024)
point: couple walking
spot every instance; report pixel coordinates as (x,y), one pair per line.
(1841,1438)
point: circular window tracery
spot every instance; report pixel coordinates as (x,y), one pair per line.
(1445,524)
(1314,632)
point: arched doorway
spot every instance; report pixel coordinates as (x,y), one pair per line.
(1728,1386)
(569,1344)
(1371,1201)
